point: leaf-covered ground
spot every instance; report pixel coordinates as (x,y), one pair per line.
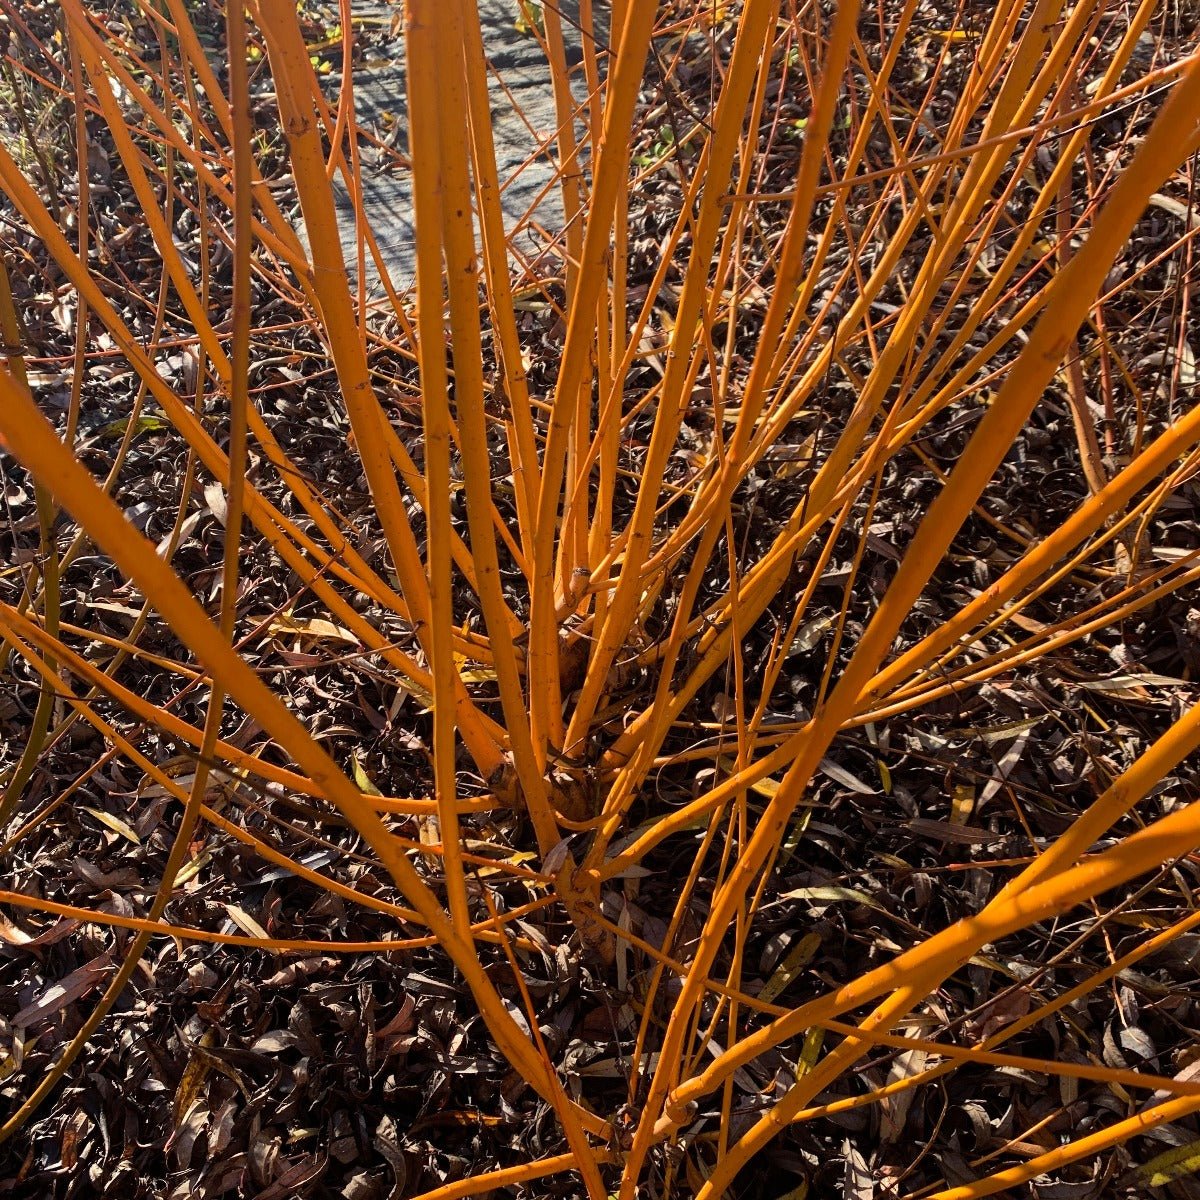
(226,1071)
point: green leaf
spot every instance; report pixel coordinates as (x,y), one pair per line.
(144,424)
(1170,1165)
(362,779)
(797,958)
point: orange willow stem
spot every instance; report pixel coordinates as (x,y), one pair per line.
(280,533)
(754,32)
(266,851)
(1071,296)
(1018,899)
(919,971)
(228,611)
(1135,1126)
(490,1181)
(935,351)
(33,441)
(89,916)
(1018,93)
(278,236)
(1032,1018)
(977,1054)
(424,49)
(968,203)
(162,718)
(522,442)
(572,546)
(612,156)
(291,70)
(764,580)
(198,62)
(782,301)
(817,501)
(441,103)
(1035,1016)
(1032,648)
(13,781)
(585,1161)
(282,240)
(100,64)
(1091,515)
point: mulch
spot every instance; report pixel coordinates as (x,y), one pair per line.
(225,1071)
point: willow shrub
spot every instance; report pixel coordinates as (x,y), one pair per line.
(945,262)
